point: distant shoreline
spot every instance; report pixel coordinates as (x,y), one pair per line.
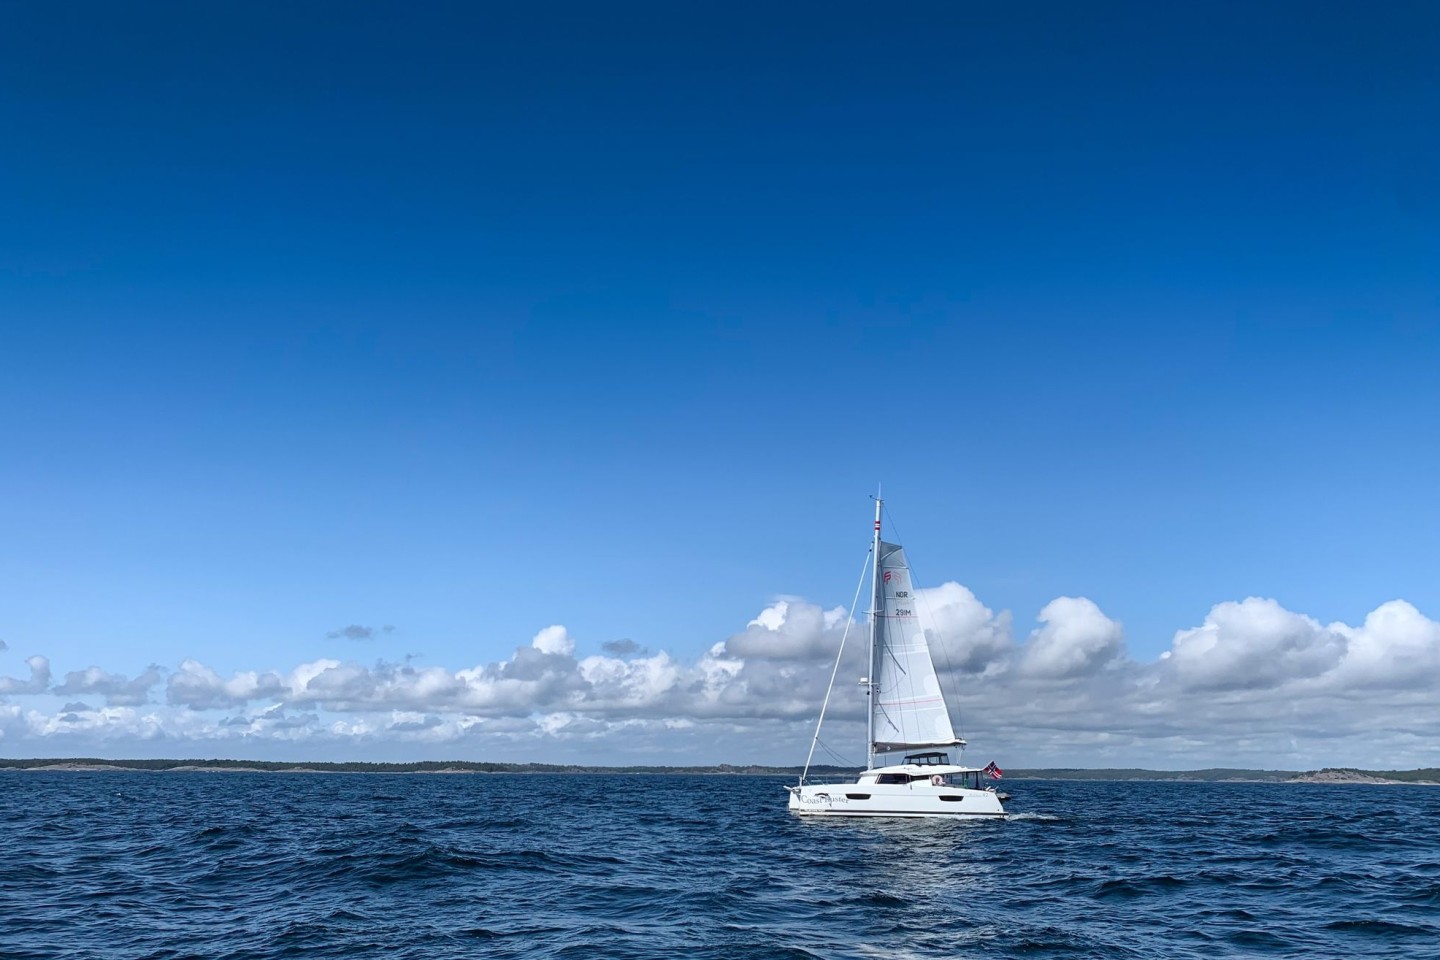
(1329,775)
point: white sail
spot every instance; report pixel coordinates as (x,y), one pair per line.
(907,707)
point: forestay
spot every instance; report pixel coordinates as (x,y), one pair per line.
(908,709)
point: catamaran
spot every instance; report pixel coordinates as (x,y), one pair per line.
(907,715)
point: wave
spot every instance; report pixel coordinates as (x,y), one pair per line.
(708,867)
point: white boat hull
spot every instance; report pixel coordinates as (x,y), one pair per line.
(918,799)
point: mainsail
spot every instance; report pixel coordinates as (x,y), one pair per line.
(907,707)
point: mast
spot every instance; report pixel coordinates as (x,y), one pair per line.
(874,619)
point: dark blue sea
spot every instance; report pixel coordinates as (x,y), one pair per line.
(243,866)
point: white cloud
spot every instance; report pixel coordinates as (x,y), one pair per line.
(39,678)
(1396,646)
(965,635)
(196,686)
(1253,685)
(1254,643)
(789,629)
(638,683)
(554,640)
(117,689)
(1076,638)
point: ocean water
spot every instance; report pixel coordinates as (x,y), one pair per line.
(241,866)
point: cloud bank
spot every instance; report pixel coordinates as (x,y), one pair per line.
(1253,684)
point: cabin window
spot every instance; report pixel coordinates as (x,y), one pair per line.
(951,798)
(893,778)
(858,796)
(927,759)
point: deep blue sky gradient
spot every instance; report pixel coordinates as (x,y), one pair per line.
(475,318)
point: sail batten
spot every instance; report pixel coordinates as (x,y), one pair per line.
(907,706)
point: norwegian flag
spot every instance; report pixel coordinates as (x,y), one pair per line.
(995,772)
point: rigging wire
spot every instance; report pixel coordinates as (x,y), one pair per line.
(849,620)
(843,761)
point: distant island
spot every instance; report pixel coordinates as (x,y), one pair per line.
(1424,775)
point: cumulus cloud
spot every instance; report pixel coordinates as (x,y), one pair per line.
(554,640)
(117,689)
(1253,684)
(39,678)
(1076,638)
(1396,646)
(789,630)
(964,634)
(197,686)
(1253,643)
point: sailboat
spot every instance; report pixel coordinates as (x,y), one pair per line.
(907,715)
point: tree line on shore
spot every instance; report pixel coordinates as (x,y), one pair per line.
(1420,775)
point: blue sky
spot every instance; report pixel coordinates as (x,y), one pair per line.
(470,321)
